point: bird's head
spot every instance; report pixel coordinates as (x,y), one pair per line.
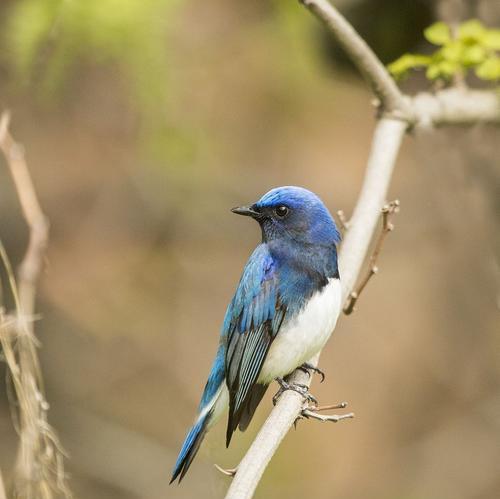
(292,213)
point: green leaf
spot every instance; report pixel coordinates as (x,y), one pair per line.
(489,69)
(472,30)
(491,39)
(452,51)
(473,55)
(438,33)
(449,68)
(406,62)
(443,69)
(472,46)
(433,72)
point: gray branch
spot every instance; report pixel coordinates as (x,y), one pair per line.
(455,106)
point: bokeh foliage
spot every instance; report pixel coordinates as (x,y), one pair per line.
(50,42)
(472,47)
(47,38)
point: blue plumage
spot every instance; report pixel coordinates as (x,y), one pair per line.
(196,433)
(296,259)
(215,378)
(190,448)
(252,320)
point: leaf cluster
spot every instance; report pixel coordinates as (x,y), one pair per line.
(471,46)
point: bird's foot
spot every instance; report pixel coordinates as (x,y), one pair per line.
(309,368)
(296,387)
(313,413)
(228,472)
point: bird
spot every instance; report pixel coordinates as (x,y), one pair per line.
(284,310)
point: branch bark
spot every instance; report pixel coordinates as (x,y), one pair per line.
(455,106)
(39,468)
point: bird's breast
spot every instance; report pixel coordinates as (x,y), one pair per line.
(303,336)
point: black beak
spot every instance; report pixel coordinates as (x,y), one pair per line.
(247,211)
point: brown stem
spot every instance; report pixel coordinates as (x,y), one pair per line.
(39,468)
(333,418)
(320,408)
(388,210)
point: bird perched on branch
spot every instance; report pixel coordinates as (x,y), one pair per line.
(284,309)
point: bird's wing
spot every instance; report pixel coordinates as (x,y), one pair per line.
(252,321)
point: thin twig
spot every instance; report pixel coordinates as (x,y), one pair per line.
(368,64)
(39,470)
(387,226)
(312,412)
(320,408)
(333,418)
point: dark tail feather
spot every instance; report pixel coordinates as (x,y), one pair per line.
(190,447)
(256,395)
(242,417)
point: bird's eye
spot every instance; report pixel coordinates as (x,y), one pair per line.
(281,211)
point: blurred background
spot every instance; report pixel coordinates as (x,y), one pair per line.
(144,122)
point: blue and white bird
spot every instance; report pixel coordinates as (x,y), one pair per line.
(284,310)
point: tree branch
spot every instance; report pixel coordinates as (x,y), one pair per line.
(368,64)
(456,106)
(32,263)
(39,469)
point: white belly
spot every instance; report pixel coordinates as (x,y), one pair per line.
(303,337)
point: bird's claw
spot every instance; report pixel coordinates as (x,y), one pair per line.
(296,387)
(308,368)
